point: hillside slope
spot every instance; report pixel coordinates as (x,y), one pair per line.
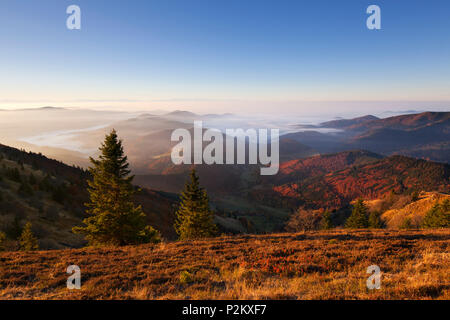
(371,180)
(322,164)
(51,195)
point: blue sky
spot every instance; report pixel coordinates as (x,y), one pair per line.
(225,55)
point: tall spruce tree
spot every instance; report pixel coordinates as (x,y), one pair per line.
(194,218)
(114,219)
(358,218)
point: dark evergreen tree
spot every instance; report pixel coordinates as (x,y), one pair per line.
(46,184)
(358,218)
(59,194)
(194,218)
(2,241)
(14,175)
(27,240)
(438,216)
(14,230)
(32,179)
(375,220)
(25,189)
(326,222)
(114,219)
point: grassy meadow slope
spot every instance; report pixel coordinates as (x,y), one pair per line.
(310,265)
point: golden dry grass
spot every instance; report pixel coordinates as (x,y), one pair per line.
(310,265)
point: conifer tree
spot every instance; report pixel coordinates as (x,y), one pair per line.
(15,230)
(194,218)
(32,179)
(358,218)
(375,220)
(2,241)
(438,216)
(326,222)
(114,219)
(27,240)
(25,189)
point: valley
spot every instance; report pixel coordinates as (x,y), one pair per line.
(243,201)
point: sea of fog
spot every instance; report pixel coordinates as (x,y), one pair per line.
(64,139)
(67,139)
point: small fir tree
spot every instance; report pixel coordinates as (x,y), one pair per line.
(358,218)
(194,218)
(27,240)
(326,222)
(375,220)
(32,179)
(2,241)
(15,230)
(438,216)
(25,189)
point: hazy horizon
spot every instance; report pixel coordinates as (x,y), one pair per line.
(325,110)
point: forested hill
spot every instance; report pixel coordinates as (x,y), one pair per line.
(369,180)
(51,195)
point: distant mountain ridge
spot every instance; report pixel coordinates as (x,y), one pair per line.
(406,121)
(425,135)
(343,123)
